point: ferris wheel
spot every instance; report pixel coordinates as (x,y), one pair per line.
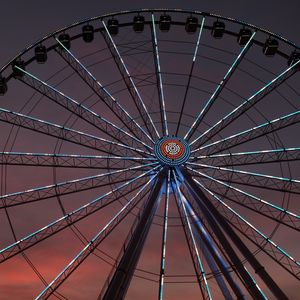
(157,149)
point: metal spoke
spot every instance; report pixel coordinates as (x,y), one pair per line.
(190,75)
(253,157)
(64,133)
(159,80)
(245,106)
(250,134)
(138,101)
(104,95)
(219,88)
(264,181)
(70,160)
(276,212)
(80,110)
(67,187)
(201,275)
(72,217)
(164,240)
(261,240)
(93,244)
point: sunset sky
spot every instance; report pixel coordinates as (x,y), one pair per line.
(24,22)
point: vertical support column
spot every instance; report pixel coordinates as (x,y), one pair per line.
(213,257)
(209,209)
(164,240)
(121,279)
(205,206)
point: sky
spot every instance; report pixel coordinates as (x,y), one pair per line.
(24,22)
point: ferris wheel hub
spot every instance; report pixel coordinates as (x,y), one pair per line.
(172,150)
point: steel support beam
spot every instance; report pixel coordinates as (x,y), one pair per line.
(118,286)
(212,215)
(213,257)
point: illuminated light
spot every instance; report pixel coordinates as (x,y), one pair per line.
(172,151)
(198,40)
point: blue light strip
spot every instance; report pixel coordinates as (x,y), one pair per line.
(198,40)
(266,124)
(258,287)
(63,128)
(193,238)
(90,246)
(246,101)
(246,173)
(81,106)
(106,157)
(197,222)
(280,150)
(78,210)
(266,238)
(131,80)
(220,85)
(105,90)
(282,210)
(57,185)
(161,90)
(165,230)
